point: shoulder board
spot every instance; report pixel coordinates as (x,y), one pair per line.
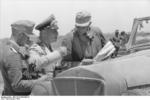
(13,50)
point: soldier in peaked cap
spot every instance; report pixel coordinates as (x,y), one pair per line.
(12,61)
(41,53)
(84,41)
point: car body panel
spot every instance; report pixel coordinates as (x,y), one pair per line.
(113,80)
(116,74)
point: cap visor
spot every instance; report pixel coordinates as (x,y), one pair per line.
(83,25)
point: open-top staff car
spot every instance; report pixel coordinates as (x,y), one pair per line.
(125,75)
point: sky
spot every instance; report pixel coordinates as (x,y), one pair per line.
(108,15)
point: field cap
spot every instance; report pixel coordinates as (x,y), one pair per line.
(83,19)
(23,26)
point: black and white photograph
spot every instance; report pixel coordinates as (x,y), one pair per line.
(74,48)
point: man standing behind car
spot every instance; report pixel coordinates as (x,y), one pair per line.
(12,62)
(84,41)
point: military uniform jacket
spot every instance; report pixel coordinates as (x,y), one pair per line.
(11,67)
(37,51)
(77,50)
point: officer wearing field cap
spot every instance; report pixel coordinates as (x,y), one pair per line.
(41,54)
(23,25)
(83,19)
(21,32)
(12,63)
(84,41)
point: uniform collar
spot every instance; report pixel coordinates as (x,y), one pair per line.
(44,45)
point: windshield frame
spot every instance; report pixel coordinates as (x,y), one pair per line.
(131,43)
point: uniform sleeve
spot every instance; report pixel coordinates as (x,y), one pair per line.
(14,68)
(42,60)
(67,42)
(101,37)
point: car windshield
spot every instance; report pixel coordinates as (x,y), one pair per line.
(143,33)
